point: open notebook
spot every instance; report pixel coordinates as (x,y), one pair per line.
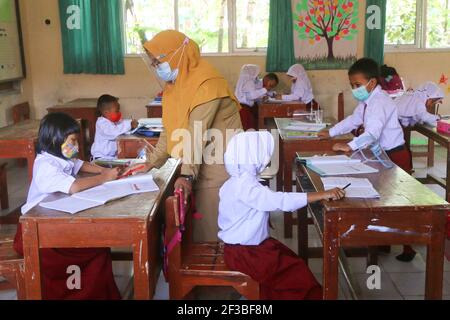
(359,188)
(100,195)
(337,165)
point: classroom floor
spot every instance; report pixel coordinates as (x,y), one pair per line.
(399,280)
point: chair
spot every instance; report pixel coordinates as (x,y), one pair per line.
(429,154)
(4,202)
(341,114)
(198,264)
(20,113)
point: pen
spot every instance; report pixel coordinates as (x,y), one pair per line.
(132,171)
(346,186)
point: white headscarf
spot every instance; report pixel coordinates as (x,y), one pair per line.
(249,72)
(302,86)
(249,153)
(431,90)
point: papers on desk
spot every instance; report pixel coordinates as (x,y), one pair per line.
(100,195)
(337,165)
(155,103)
(148,124)
(359,188)
(301,134)
(305,126)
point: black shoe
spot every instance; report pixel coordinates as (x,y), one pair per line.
(406,256)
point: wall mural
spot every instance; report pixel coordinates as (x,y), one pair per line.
(325,33)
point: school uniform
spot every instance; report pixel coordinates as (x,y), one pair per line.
(106,133)
(52,174)
(377,117)
(244,210)
(411,106)
(301,90)
(248,89)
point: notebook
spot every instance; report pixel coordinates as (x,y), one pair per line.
(359,188)
(150,124)
(305,126)
(337,165)
(100,195)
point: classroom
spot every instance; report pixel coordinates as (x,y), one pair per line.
(224,150)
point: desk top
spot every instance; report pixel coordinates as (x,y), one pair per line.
(24,130)
(78,103)
(140,206)
(136,137)
(433,133)
(397,190)
(279,103)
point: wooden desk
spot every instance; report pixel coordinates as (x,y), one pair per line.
(406,213)
(288,148)
(85,109)
(154,110)
(134,221)
(129,145)
(278,110)
(442,139)
(19,141)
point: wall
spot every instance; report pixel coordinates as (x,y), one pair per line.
(46,84)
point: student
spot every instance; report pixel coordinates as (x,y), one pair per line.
(244,211)
(375,116)
(249,88)
(301,88)
(109,126)
(412,106)
(390,80)
(53,171)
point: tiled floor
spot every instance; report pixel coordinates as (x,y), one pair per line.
(399,280)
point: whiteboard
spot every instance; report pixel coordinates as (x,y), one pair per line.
(11,57)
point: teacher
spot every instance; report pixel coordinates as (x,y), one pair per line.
(195,95)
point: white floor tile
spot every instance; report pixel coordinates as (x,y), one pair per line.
(390,264)
(413,284)
(387,291)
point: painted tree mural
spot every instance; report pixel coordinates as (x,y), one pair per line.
(329,20)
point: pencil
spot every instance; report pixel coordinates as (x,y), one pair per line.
(346,186)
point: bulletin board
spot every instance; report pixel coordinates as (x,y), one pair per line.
(11,50)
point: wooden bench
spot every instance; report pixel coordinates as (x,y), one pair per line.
(199,264)
(11,265)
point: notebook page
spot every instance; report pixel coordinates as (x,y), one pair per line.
(70,205)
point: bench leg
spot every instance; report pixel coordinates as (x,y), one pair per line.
(4,202)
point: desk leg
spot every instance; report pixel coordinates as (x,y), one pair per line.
(30,161)
(141,265)
(435,260)
(31,261)
(302,230)
(289,220)
(330,258)
(281,166)
(447,180)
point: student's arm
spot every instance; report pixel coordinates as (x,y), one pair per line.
(264,199)
(81,184)
(348,124)
(88,167)
(428,118)
(252,93)
(373,127)
(111,131)
(298,91)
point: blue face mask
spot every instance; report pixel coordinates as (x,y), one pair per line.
(165,72)
(361,93)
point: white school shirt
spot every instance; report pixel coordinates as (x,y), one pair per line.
(380,121)
(106,133)
(50,174)
(249,88)
(302,89)
(245,204)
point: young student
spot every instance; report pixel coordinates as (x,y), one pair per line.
(249,88)
(109,126)
(244,211)
(53,171)
(413,106)
(390,80)
(375,117)
(301,88)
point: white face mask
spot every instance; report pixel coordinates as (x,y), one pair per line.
(165,72)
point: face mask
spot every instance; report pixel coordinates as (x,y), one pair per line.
(114,116)
(69,151)
(165,72)
(361,93)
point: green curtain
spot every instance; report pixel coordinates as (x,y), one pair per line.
(280,49)
(92,36)
(374,37)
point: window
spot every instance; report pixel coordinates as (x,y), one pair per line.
(218,26)
(418,24)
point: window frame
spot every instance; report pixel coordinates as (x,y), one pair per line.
(421,34)
(232,38)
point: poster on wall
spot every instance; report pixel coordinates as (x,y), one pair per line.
(325,33)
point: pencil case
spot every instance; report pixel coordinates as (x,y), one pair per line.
(443,126)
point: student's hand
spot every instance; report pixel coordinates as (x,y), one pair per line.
(334,194)
(342,147)
(111,174)
(186,186)
(134,124)
(323,135)
(146,167)
(265,98)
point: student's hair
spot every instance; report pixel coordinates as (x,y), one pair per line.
(272,76)
(366,66)
(53,131)
(104,101)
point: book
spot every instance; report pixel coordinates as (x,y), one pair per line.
(305,126)
(337,165)
(359,188)
(301,134)
(102,194)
